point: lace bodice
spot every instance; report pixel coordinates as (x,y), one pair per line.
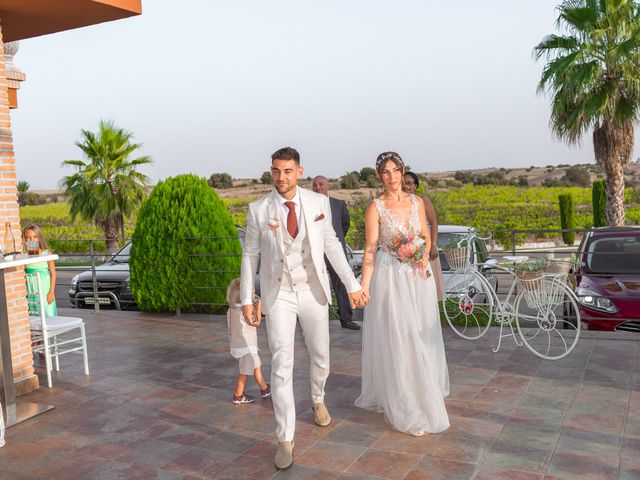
(391,225)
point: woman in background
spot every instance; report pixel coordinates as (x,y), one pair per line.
(409,185)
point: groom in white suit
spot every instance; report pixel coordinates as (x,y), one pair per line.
(289,230)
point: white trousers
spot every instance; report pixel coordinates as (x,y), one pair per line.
(281,328)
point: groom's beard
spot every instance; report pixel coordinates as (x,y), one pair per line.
(284,189)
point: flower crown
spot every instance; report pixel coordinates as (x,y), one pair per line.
(383,157)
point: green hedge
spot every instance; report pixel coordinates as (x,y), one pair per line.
(567,218)
(599,203)
(185,248)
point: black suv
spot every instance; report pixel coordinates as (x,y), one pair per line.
(112,280)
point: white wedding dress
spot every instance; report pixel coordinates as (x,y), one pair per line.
(404,368)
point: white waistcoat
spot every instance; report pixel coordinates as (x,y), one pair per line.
(298,271)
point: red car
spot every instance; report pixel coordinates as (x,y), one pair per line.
(608,279)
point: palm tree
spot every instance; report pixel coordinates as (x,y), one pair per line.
(593,74)
(107,186)
(23,186)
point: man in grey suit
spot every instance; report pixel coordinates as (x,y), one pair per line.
(341,222)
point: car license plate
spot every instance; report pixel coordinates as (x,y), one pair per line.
(101,301)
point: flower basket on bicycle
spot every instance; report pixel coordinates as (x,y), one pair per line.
(457,257)
(540,304)
(530,274)
(556,272)
(531,268)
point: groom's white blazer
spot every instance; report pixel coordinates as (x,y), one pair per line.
(264,243)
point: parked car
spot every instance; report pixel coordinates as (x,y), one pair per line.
(112,279)
(479,258)
(354,257)
(607,273)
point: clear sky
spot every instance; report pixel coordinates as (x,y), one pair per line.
(217,86)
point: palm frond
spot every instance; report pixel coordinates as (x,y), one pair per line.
(593,73)
(555,43)
(556,69)
(625,110)
(74,163)
(106,185)
(577,18)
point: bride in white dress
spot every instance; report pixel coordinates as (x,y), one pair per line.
(404,368)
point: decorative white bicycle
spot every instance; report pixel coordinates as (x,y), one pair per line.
(542,306)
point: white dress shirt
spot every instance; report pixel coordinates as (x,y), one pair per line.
(284,210)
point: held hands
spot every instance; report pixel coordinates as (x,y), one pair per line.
(360,298)
(248,312)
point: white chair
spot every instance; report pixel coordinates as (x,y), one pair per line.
(46,330)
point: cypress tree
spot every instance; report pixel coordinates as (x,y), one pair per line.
(567,218)
(185,248)
(599,202)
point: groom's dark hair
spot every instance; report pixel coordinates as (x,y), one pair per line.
(286,153)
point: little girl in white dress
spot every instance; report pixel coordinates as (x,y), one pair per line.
(243,345)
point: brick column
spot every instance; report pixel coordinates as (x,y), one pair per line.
(20,334)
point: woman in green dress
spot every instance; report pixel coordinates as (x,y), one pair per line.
(31,236)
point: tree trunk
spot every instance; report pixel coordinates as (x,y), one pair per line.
(615,197)
(122,236)
(613,145)
(111,235)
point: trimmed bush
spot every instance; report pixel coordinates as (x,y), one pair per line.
(367,172)
(464,177)
(266,178)
(599,203)
(373,182)
(350,181)
(577,176)
(567,218)
(30,198)
(185,248)
(220,180)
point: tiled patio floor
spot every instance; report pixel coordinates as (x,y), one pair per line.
(157,405)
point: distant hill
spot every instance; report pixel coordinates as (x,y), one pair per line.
(551,175)
(250,188)
(536,176)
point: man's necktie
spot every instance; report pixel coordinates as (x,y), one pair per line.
(292,219)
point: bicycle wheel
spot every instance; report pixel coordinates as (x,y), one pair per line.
(548,319)
(468,304)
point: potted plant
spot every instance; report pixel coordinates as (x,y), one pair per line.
(531,270)
(457,253)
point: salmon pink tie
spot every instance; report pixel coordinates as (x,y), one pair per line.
(292,219)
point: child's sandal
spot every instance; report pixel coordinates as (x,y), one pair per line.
(266,392)
(239,399)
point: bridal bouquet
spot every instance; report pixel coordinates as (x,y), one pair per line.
(410,249)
